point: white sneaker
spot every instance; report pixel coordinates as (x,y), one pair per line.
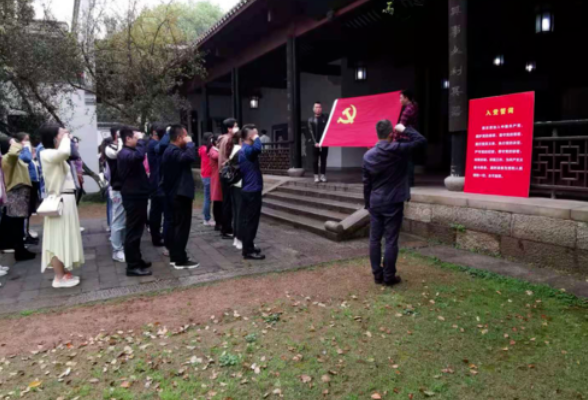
(6,269)
(316,179)
(67,281)
(8,251)
(82,229)
(205,223)
(108,229)
(235,242)
(324,178)
(33,234)
(2,272)
(239,245)
(119,256)
(211,223)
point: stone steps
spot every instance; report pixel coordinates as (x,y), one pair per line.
(309,206)
(324,193)
(333,205)
(319,214)
(297,221)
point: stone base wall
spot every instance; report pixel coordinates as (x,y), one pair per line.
(542,241)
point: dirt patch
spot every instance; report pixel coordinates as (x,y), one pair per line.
(197,305)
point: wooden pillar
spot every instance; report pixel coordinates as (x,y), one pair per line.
(458,92)
(293,72)
(236,96)
(206,123)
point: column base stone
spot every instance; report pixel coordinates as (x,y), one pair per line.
(455,183)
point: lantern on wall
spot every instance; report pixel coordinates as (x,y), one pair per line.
(360,73)
(254,102)
(544,21)
(531,66)
(499,60)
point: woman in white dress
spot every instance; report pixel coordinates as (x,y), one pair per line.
(62,239)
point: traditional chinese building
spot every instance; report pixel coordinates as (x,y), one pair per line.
(268,61)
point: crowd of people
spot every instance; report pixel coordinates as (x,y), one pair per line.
(149,183)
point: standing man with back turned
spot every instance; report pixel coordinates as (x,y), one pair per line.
(135,190)
(316,128)
(385,175)
(178,185)
(225,147)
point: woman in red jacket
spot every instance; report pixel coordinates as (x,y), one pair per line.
(216,193)
(205,173)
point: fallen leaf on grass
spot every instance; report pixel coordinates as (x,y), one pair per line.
(125,385)
(35,384)
(326,378)
(305,378)
(441,318)
(65,373)
(376,396)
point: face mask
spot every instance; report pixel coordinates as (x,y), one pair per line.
(235,130)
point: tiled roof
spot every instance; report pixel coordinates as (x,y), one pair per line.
(223,21)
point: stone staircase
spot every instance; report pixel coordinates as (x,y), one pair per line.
(308,206)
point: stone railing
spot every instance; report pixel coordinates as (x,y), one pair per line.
(543,232)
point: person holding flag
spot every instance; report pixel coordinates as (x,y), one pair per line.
(385,176)
(316,128)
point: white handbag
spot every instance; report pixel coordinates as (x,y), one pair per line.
(52,206)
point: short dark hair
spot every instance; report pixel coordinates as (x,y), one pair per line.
(20,136)
(127,132)
(408,94)
(175,132)
(229,123)
(384,129)
(246,129)
(113,131)
(48,132)
(263,131)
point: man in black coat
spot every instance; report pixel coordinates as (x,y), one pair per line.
(135,191)
(178,186)
(386,188)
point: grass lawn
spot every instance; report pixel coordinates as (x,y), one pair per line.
(457,335)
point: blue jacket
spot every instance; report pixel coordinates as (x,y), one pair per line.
(154,166)
(131,171)
(249,163)
(40,148)
(27,157)
(385,171)
(177,171)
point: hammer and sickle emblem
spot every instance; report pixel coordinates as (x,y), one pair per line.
(350,113)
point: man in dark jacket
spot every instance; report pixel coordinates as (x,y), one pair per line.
(385,179)
(157,195)
(316,128)
(179,188)
(135,191)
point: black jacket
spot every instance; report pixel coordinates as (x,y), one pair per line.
(132,174)
(385,171)
(176,170)
(316,127)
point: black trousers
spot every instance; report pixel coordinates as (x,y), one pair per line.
(168,212)
(250,214)
(236,197)
(12,233)
(156,218)
(320,153)
(227,225)
(217,212)
(181,223)
(385,223)
(136,215)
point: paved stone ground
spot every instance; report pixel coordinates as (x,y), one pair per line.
(25,288)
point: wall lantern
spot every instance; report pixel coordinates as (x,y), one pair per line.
(499,60)
(446,84)
(544,21)
(531,66)
(254,103)
(360,73)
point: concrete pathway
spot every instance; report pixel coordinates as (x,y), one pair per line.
(25,288)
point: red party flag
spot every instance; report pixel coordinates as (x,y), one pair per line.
(353,120)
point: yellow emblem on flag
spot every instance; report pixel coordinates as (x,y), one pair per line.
(350,113)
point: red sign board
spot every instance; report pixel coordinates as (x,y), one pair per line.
(353,120)
(500,145)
